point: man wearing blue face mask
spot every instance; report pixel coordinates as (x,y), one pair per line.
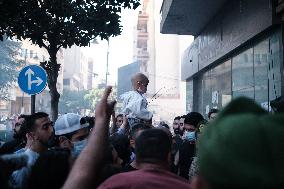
(72,132)
(187,150)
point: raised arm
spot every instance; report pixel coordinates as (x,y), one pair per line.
(86,169)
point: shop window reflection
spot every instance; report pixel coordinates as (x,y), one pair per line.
(254,73)
(189,96)
(261,72)
(274,74)
(242,74)
(221,84)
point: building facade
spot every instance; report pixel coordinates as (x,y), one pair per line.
(144,43)
(91,74)
(77,70)
(237,51)
(158,56)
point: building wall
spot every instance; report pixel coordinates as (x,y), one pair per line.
(236,23)
(90,75)
(76,70)
(84,70)
(72,58)
(144,44)
(159,59)
(152,63)
(167,74)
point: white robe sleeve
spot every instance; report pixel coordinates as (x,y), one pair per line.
(135,105)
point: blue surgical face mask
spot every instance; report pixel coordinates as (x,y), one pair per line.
(78,147)
(190,135)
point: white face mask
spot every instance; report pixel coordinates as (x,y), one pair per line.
(190,135)
(78,147)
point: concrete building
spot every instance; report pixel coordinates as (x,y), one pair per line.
(90,75)
(159,58)
(237,51)
(144,43)
(77,69)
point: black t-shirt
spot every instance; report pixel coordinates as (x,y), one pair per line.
(176,144)
(186,152)
(11,146)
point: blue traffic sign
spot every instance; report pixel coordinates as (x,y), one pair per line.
(32,79)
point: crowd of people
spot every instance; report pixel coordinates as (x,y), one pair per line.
(239,147)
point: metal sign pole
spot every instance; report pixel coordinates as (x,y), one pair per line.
(33,104)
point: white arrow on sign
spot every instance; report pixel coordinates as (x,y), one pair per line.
(38,80)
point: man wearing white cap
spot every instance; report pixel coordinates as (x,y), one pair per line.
(72,132)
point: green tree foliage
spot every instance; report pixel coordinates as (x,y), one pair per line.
(73,102)
(54,24)
(8,66)
(95,95)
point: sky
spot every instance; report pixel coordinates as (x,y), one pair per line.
(120,48)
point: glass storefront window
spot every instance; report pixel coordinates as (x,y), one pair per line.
(261,51)
(189,96)
(206,92)
(242,74)
(221,85)
(254,73)
(216,88)
(274,73)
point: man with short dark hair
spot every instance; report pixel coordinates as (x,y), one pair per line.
(39,134)
(177,132)
(187,150)
(181,124)
(176,125)
(117,123)
(153,152)
(121,144)
(177,141)
(212,114)
(134,132)
(119,120)
(19,140)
